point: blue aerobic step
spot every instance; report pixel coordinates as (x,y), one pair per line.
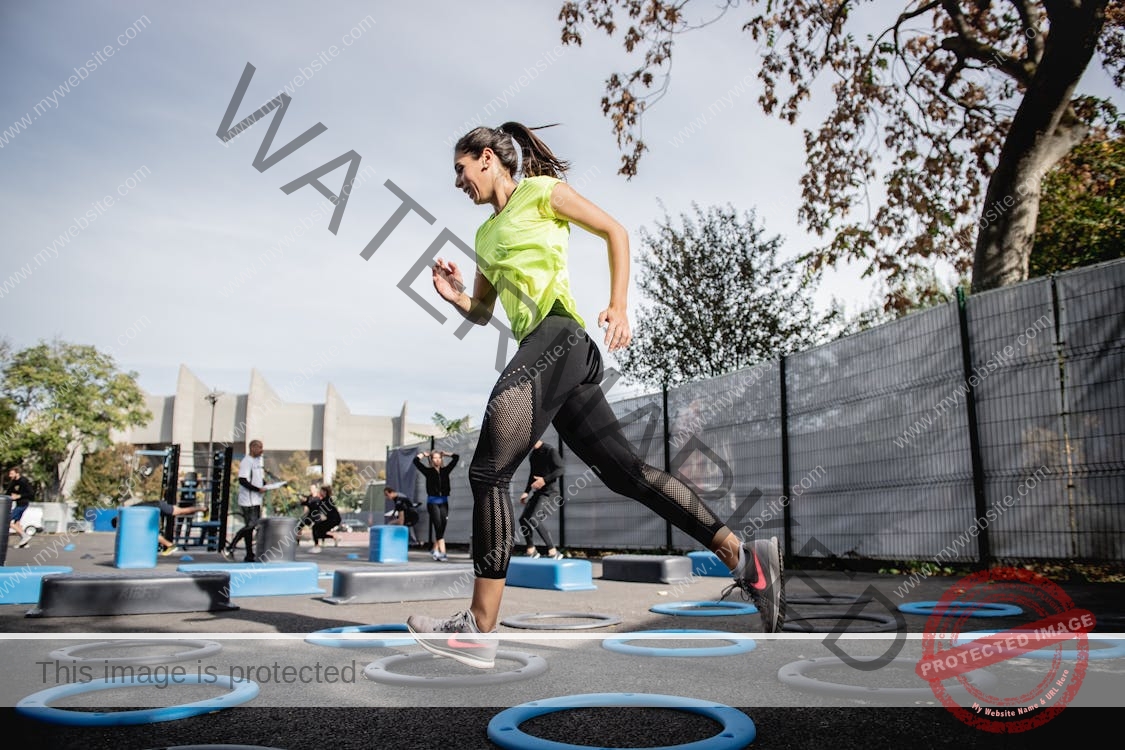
(140,593)
(401,583)
(388,544)
(704,563)
(264,579)
(21,585)
(647,568)
(545,573)
(138,529)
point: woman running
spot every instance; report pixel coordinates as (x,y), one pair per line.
(554,378)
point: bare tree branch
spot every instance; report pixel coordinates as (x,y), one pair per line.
(1034,41)
(966,47)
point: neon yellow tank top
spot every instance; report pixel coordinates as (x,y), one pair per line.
(522,252)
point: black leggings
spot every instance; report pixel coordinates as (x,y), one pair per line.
(439,515)
(251,517)
(320,529)
(555,378)
(530,521)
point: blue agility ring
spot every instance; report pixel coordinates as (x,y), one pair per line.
(35,705)
(738,728)
(1116,647)
(739,645)
(700,609)
(968,609)
(323,637)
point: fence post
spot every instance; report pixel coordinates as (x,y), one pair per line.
(984,548)
(1064,417)
(785,468)
(667,460)
(220,482)
(170,486)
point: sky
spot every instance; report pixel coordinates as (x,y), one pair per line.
(130,225)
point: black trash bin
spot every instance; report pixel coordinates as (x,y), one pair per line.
(5,519)
(275,539)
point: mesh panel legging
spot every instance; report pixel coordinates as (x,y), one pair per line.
(554,379)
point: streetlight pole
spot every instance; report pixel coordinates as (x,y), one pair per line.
(213,398)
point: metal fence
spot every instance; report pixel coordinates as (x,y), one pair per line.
(992,428)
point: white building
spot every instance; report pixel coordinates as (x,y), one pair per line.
(328,431)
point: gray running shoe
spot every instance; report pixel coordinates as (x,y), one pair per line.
(459,642)
(761,580)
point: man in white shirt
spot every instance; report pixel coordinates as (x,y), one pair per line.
(251,490)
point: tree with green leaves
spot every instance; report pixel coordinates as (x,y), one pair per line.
(349,487)
(449,427)
(9,424)
(9,427)
(952,111)
(1082,216)
(718,298)
(294,471)
(67,398)
(112,475)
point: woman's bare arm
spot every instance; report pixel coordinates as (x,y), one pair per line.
(569,205)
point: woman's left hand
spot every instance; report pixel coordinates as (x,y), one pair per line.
(616,323)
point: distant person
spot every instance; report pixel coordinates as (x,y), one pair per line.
(310,501)
(22,492)
(251,492)
(325,517)
(546,467)
(166,510)
(437,495)
(404,512)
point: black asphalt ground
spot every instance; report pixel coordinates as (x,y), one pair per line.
(363,713)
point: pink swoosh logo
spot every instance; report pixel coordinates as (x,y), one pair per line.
(761,583)
(454,643)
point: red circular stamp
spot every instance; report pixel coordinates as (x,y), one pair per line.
(950,651)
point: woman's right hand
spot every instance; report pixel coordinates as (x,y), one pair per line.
(447,280)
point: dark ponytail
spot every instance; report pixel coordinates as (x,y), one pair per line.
(535,158)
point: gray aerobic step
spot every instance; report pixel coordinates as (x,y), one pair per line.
(647,568)
(91,594)
(401,583)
